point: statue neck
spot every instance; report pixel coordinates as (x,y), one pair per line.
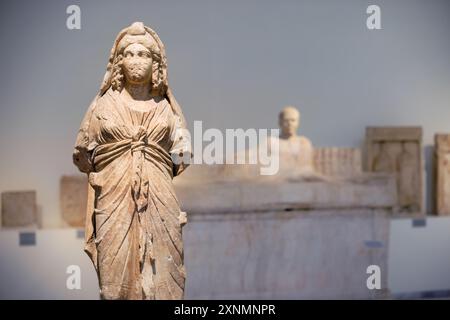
(286,136)
(139,91)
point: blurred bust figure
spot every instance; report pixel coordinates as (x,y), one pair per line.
(296,152)
(293,154)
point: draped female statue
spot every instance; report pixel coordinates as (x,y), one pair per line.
(131,144)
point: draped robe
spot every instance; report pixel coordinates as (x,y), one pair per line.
(136,222)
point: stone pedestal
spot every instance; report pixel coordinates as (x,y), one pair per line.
(272,239)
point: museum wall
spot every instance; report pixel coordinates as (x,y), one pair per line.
(233,64)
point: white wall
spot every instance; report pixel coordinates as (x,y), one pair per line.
(419,257)
(39,272)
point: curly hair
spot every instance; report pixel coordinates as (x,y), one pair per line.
(159,83)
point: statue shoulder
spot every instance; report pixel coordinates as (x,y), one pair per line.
(304,141)
(104,103)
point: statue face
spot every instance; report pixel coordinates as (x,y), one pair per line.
(137,64)
(289,123)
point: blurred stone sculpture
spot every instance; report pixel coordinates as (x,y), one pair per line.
(72,199)
(296,156)
(132,143)
(338,162)
(398,150)
(408,180)
(299,159)
(294,148)
(383,161)
(19,209)
(442,154)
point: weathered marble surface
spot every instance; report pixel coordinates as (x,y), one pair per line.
(295,151)
(286,239)
(286,255)
(332,162)
(338,162)
(442,161)
(266,193)
(309,232)
(398,150)
(73,191)
(19,209)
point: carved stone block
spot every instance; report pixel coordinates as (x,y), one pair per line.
(339,162)
(19,209)
(398,150)
(442,153)
(73,199)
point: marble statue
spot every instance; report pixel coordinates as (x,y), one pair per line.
(291,144)
(127,143)
(296,154)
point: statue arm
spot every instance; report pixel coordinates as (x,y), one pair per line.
(83,145)
(180,152)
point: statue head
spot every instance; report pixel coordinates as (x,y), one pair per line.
(289,121)
(137,57)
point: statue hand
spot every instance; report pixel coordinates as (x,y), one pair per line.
(81,160)
(182,218)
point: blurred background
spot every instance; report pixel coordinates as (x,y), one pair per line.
(232,64)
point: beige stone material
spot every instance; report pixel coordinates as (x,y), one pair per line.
(338,162)
(298,157)
(19,209)
(245,237)
(129,143)
(278,254)
(73,199)
(296,154)
(398,150)
(265,193)
(442,154)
